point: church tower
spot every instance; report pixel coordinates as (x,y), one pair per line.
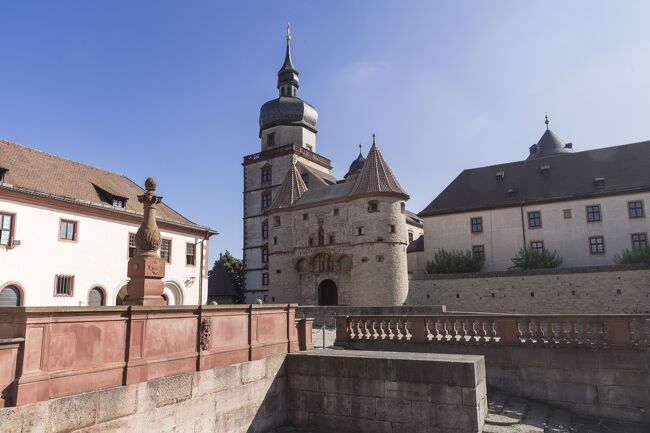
(287,136)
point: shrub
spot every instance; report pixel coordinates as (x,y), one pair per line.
(640,256)
(453,262)
(529,258)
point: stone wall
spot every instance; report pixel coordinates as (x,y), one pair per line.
(612,383)
(357,392)
(325,315)
(608,289)
(246,397)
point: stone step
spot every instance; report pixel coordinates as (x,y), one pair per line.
(512,413)
(496,401)
(559,421)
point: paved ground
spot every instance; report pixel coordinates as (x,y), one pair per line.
(510,414)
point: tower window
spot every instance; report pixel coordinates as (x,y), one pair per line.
(266,174)
(265,229)
(118,202)
(332,239)
(373,206)
(275,240)
(277,221)
(410,236)
(265,254)
(392,228)
(266,199)
(476,224)
(360,231)
(311,241)
(265,279)
(2,174)
(336,211)
(270,139)
(305,216)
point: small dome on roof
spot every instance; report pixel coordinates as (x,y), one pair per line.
(356,166)
(549,144)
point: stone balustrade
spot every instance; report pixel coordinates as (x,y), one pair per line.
(589,331)
(50,352)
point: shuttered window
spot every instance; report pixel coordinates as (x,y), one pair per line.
(190,254)
(9,297)
(166,250)
(63,285)
(132,248)
(6,221)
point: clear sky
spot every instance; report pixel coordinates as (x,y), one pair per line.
(172,89)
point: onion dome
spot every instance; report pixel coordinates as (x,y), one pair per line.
(549,144)
(356,165)
(288,109)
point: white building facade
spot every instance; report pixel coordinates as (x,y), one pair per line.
(588,206)
(60,246)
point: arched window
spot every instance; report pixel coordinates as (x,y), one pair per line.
(96,297)
(321,236)
(10,297)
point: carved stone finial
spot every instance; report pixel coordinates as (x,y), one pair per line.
(150,184)
(148,239)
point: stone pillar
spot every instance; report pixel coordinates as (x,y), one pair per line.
(146,270)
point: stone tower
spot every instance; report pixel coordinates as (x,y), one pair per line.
(287,136)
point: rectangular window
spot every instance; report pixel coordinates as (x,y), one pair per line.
(166,250)
(3,171)
(311,242)
(190,254)
(336,211)
(332,239)
(392,228)
(265,254)
(635,209)
(265,229)
(277,221)
(68,230)
(6,226)
(359,231)
(477,224)
(567,214)
(266,174)
(305,216)
(132,249)
(265,279)
(534,219)
(410,237)
(537,246)
(270,140)
(597,245)
(373,206)
(478,251)
(275,240)
(118,202)
(63,285)
(593,213)
(266,199)
(639,241)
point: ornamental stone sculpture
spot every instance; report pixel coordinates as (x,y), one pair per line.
(146,270)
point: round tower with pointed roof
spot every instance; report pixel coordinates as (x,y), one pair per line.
(549,144)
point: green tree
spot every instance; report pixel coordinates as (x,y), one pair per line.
(637,256)
(529,258)
(453,262)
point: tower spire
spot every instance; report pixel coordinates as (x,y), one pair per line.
(546,121)
(287,75)
(359,148)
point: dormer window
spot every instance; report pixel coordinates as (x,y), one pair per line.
(512,192)
(544,169)
(118,202)
(110,198)
(270,139)
(599,181)
(500,175)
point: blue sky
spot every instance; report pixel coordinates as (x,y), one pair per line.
(172,89)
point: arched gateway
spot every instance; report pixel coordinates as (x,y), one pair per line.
(328,293)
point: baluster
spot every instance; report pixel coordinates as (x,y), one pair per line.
(471,331)
(409,328)
(601,334)
(382,329)
(482,332)
(389,327)
(437,325)
(427,330)
(400,329)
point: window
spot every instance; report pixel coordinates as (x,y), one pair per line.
(477,224)
(373,206)
(478,251)
(266,199)
(275,240)
(67,230)
(534,219)
(305,216)
(593,213)
(265,229)
(63,285)
(265,279)
(132,248)
(3,171)
(402,207)
(635,209)
(190,254)
(6,226)
(567,214)
(537,246)
(359,231)
(380,258)
(309,147)
(639,241)
(410,237)
(277,221)
(336,211)
(392,228)
(597,245)
(270,140)
(321,236)
(265,254)
(96,297)
(332,239)
(305,178)
(311,242)
(10,297)
(118,202)
(266,174)
(166,250)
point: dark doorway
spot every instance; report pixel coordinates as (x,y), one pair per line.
(327,293)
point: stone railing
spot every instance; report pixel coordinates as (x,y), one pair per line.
(591,331)
(49,352)
(288,148)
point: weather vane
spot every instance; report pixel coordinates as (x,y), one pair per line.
(546,121)
(373,138)
(359,148)
(288,32)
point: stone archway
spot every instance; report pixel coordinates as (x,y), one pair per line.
(328,293)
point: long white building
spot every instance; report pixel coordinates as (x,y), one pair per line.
(588,206)
(67,231)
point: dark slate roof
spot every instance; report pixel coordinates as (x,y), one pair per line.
(288,110)
(325,178)
(549,144)
(606,171)
(356,166)
(413,219)
(331,192)
(416,246)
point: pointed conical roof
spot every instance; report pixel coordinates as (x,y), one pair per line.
(376,176)
(292,188)
(356,166)
(549,144)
